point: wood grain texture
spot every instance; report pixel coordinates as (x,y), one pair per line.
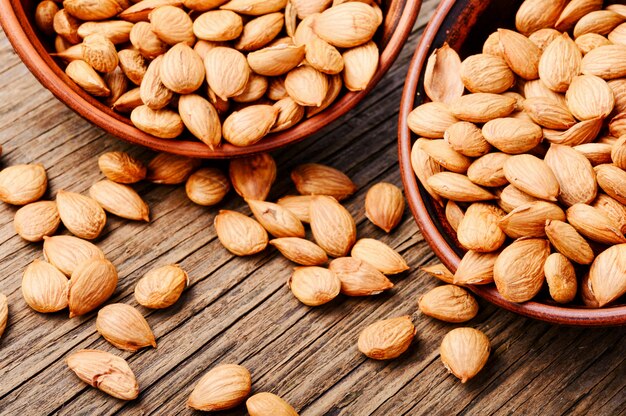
(240,310)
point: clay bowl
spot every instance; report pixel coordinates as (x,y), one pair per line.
(465,24)
(32,46)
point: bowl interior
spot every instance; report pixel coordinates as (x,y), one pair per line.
(482,18)
(464,25)
(33,47)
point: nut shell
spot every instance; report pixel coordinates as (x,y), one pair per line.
(380,255)
(182,69)
(260,31)
(475,268)
(80,214)
(359,278)
(440,272)
(218,25)
(201,119)
(299,205)
(161,287)
(316,179)
(35,220)
(560,63)
(457,187)
(568,242)
(300,251)
(486,73)
(105,371)
(44,287)
(22,184)
(347,25)
(529,220)
(66,252)
(518,270)
(387,339)
(249,125)
(44,16)
(223,387)
(607,276)
(595,224)
(512,135)
(561,278)
(164,123)
(573,171)
(253,176)
(431,120)
(227,71)
(239,234)
(277,220)
(360,65)
(384,205)
(100,53)
(589,97)
(121,167)
(128,101)
(4,313)
(442,82)
(146,41)
(532,175)
(124,327)
(314,285)
(89,10)
(92,283)
(479,230)
(449,303)
(87,78)
(169,169)
(307,86)
(464,352)
(117,31)
(254,7)
(276,60)
(172,24)
(207,186)
(263,404)
(120,200)
(334,229)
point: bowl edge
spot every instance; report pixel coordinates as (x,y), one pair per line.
(12,23)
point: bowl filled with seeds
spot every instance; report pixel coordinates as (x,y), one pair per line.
(209,78)
(512,146)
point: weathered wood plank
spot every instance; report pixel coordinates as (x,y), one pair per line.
(240,310)
(244,262)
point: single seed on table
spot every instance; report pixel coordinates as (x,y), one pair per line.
(124,327)
(314,285)
(223,387)
(105,371)
(464,352)
(161,287)
(36,220)
(387,339)
(448,303)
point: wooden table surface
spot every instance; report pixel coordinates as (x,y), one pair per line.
(239,310)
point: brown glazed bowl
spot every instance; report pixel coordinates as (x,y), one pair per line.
(17,19)
(465,24)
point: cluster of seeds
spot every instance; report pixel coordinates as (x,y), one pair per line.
(236,70)
(525,145)
(76,274)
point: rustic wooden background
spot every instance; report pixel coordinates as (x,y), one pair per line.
(239,310)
